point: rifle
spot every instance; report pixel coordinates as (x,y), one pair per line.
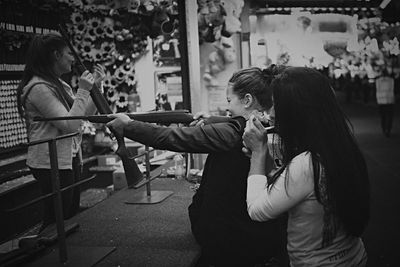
(162,117)
(132,173)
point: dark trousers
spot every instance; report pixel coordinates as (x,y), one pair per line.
(70,198)
(386,112)
(246,252)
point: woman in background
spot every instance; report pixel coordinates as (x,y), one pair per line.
(386,100)
(42,93)
(323,182)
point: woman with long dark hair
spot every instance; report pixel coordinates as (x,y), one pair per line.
(42,93)
(323,181)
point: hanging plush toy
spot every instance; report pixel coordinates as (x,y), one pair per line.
(217,60)
(133,6)
(217,12)
(233,9)
(211,17)
(228,49)
(203,7)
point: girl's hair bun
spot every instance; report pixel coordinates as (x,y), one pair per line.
(271,72)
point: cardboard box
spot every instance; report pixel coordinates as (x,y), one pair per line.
(108,160)
(119,179)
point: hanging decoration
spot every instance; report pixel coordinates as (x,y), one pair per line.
(223,55)
(377,41)
(376,50)
(218,18)
(114,33)
(233,10)
(165,46)
(211,17)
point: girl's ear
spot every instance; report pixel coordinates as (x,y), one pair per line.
(248,100)
(57,55)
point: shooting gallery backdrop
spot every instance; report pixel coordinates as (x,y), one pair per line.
(132,39)
(152,53)
(138,42)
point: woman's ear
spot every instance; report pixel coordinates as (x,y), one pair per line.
(248,100)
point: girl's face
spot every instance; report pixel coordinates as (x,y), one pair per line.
(236,106)
(64,61)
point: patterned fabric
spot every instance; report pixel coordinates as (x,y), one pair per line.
(330,223)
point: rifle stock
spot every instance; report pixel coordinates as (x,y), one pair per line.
(132,172)
(162,117)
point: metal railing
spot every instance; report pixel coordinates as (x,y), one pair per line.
(56,194)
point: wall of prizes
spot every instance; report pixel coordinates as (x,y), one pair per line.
(114,33)
(12,129)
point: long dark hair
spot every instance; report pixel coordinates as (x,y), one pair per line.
(308,118)
(40,62)
(255,81)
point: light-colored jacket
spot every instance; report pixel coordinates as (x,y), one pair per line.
(43,101)
(385,90)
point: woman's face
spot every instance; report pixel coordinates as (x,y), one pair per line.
(64,61)
(270,115)
(236,106)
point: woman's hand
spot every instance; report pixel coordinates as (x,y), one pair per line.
(120,121)
(199,118)
(255,140)
(86,81)
(98,74)
(255,137)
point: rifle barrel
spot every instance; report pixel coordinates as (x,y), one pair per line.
(152,117)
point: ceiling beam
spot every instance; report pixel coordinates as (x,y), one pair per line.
(320,3)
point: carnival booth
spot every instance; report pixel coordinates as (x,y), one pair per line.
(164,60)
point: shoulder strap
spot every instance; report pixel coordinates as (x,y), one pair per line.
(60,96)
(23,100)
(29,90)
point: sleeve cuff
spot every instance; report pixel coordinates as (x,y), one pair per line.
(82,93)
(257,179)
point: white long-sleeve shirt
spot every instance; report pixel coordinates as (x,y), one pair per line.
(305,223)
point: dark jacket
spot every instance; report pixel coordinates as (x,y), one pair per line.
(218,213)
